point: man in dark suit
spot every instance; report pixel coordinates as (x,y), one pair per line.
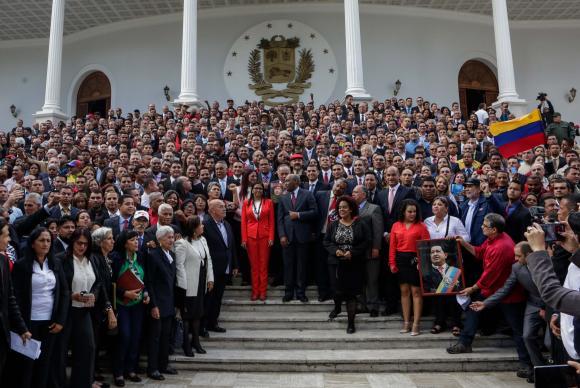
(372,185)
(327,212)
(297,219)
(221,244)
(221,177)
(164,217)
(517,216)
(160,284)
(65,229)
(10,317)
(65,207)
(123,220)
(371,215)
(554,161)
(314,185)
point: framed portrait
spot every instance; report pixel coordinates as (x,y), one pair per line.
(440,267)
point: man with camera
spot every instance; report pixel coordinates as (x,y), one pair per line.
(565,298)
(546,108)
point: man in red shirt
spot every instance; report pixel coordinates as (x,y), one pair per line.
(497,253)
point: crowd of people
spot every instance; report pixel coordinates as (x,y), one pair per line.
(119,229)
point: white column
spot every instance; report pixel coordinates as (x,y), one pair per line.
(505,64)
(354,66)
(188,94)
(52,109)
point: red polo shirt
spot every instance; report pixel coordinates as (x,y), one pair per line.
(498,258)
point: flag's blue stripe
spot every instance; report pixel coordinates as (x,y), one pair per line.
(518,133)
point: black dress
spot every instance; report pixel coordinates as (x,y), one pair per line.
(356,239)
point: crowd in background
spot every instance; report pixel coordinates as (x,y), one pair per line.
(185,201)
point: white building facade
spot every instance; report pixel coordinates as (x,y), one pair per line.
(361,49)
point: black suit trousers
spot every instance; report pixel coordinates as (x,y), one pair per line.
(213,300)
(295,256)
(158,346)
(4,348)
(321,260)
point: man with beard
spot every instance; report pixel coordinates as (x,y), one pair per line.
(65,229)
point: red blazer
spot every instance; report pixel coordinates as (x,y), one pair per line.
(252,228)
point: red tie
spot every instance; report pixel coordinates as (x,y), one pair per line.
(293,199)
(326,178)
(331,212)
(125,224)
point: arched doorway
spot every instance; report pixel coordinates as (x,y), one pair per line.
(477,84)
(94,95)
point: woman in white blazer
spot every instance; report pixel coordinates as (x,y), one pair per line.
(195,277)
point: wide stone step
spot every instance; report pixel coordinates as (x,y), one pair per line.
(274,305)
(337,339)
(307,320)
(272,292)
(349,360)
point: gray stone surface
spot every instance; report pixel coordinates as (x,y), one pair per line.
(338,380)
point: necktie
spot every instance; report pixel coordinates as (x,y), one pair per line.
(312,185)
(293,199)
(223,188)
(125,224)
(359,180)
(326,178)
(140,242)
(265,179)
(441,270)
(65,211)
(391,199)
(331,211)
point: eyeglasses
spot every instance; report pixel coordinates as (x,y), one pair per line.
(485,226)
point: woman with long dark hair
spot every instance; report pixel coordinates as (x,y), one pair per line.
(43,296)
(83,280)
(130,306)
(403,261)
(257,232)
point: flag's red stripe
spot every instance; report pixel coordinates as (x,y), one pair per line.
(522,144)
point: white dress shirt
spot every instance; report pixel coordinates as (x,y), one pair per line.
(456,228)
(469,217)
(83,279)
(43,285)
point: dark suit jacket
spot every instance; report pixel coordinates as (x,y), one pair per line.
(22,276)
(371,215)
(300,230)
(222,255)
(549,166)
(160,279)
(113,223)
(518,222)
(69,271)
(10,317)
(57,247)
(56,213)
(229,196)
(391,217)
(25,225)
(320,186)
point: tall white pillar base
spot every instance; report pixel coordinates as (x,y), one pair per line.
(55,116)
(189,100)
(517,106)
(359,94)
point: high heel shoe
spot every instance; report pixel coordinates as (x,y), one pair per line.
(350,329)
(406,328)
(416,330)
(188,352)
(199,350)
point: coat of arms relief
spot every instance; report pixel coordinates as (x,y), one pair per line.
(278,56)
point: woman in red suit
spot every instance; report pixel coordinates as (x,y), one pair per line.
(258,237)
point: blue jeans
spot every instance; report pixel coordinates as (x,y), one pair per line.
(513,314)
(130,322)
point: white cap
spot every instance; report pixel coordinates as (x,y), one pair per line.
(141,213)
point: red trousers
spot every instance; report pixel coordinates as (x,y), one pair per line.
(259,255)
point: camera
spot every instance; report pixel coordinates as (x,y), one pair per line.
(541,96)
(552,229)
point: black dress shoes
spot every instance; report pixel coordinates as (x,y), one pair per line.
(133,377)
(204,333)
(169,371)
(156,376)
(323,298)
(119,382)
(200,350)
(286,298)
(303,299)
(350,329)
(374,313)
(334,313)
(217,329)
(188,352)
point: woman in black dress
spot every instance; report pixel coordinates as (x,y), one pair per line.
(347,239)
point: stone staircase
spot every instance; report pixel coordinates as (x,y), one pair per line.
(273,336)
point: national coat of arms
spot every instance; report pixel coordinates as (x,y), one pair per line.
(279,66)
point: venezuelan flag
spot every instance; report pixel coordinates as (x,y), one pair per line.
(518,135)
